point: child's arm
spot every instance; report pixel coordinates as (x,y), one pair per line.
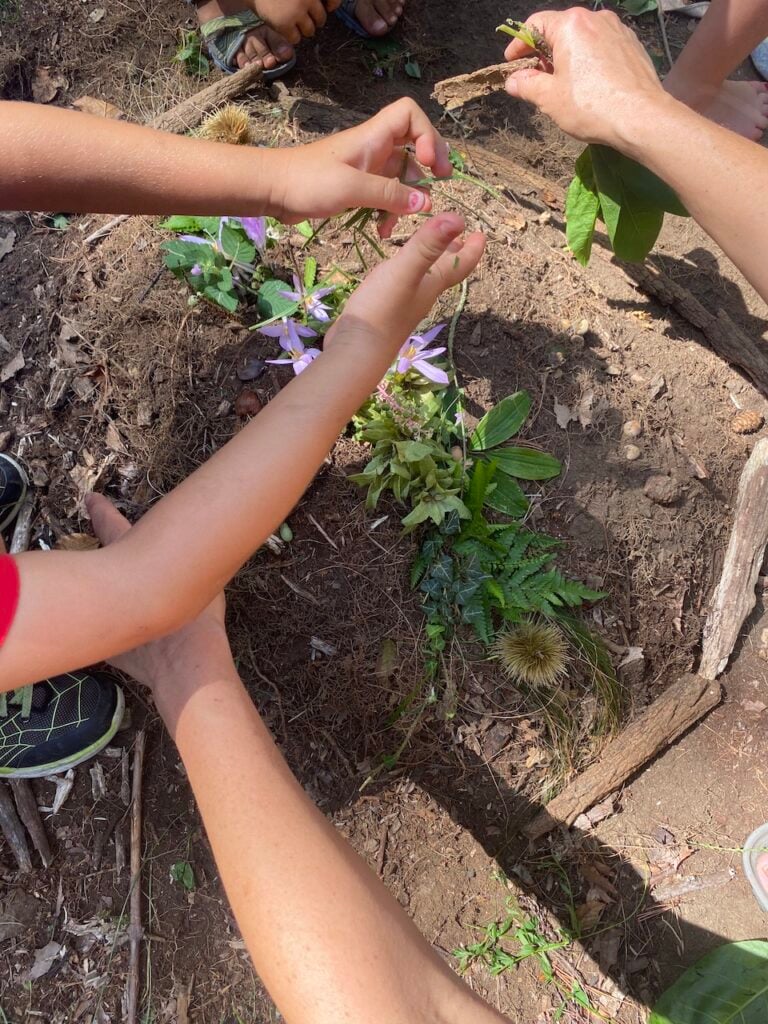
(76,608)
(57,159)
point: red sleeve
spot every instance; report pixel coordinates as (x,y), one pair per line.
(9,594)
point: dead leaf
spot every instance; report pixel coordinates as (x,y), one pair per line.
(535,756)
(45,958)
(755,706)
(113,438)
(657,386)
(597,813)
(633,654)
(7,242)
(78,542)
(46,84)
(97,107)
(516,221)
(564,415)
(598,874)
(589,914)
(12,367)
(96,15)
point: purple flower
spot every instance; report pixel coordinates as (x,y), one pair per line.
(289,334)
(196,271)
(256,229)
(415,355)
(310,300)
(197,239)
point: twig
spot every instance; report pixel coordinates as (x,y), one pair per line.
(455,321)
(23,528)
(134,930)
(663,27)
(322,532)
(105,229)
(13,830)
(30,815)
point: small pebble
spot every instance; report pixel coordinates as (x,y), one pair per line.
(457,453)
(632,428)
(576,339)
(632,452)
(613,370)
(545,217)
(582,327)
(247,404)
(664,490)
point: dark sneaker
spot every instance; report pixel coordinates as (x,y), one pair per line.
(13,489)
(55,725)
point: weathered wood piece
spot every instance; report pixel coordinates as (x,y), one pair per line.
(670,715)
(735,596)
(13,830)
(189,113)
(135,930)
(30,815)
(455,92)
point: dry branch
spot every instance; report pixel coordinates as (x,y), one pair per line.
(735,597)
(135,930)
(455,92)
(670,715)
(189,113)
(13,830)
(30,815)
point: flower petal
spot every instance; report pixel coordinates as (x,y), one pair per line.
(197,239)
(433,373)
(303,331)
(256,229)
(432,333)
(431,353)
(404,364)
(273,331)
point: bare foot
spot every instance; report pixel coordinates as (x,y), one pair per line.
(378,16)
(740,106)
(263,45)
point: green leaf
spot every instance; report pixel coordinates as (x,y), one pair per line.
(305,229)
(458,162)
(310,272)
(501,422)
(728,986)
(582,206)
(633,220)
(412,69)
(527,463)
(413,451)
(182,872)
(235,246)
(635,8)
(185,224)
(506,496)
(224,299)
(643,182)
(420,514)
(271,303)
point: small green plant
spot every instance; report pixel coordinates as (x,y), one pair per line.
(190,54)
(384,56)
(183,874)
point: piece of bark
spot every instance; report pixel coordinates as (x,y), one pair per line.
(670,715)
(735,596)
(455,92)
(13,830)
(676,888)
(30,815)
(189,113)
(135,930)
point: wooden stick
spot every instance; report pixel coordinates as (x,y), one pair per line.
(455,92)
(13,830)
(22,531)
(135,930)
(670,715)
(105,229)
(30,815)
(188,114)
(735,596)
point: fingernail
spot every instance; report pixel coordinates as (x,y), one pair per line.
(380,25)
(284,52)
(447,229)
(416,201)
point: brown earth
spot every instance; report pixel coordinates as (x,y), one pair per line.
(118,367)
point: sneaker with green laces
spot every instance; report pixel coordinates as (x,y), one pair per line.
(57,724)
(13,489)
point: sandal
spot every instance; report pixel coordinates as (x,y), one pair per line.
(13,489)
(755,862)
(346,14)
(760,58)
(225,36)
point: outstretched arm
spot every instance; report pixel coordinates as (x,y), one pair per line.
(57,159)
(76,608)
(361,958)
(603,88)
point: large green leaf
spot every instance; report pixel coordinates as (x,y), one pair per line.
(633,220)
(582,206)
(640,180)
(271,303)
(527,463)
(506,495)
(501,422)
(728,986)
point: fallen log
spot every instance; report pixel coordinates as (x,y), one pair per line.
(189,113)
(666,719)
(735,597)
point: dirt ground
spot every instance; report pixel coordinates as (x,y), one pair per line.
(125,388)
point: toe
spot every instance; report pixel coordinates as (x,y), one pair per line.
(387,10)
(368,15)
(281,48)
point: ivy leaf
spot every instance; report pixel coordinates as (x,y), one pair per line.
(527,463)
(272,305)
(501,422)
(582,206)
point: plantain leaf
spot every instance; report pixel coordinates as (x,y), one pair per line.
(582,206)
(728,986)
(501,422)
(506,496)
(527,463)
(633,220)
(639,180)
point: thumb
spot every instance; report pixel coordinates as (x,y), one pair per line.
(109,525)
(428,244)
(530,85)
(381,193)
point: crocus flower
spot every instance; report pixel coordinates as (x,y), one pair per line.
(310,300)
(256,229)
(289,334)
(415,355)
(196,271)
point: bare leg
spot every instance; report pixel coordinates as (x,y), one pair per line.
(263,45)
(729,31)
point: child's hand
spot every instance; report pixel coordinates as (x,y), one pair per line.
(360,167)
(396,296)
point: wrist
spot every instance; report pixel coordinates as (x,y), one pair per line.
(638,134)
(179,691)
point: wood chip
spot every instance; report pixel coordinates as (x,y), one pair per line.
(455,92)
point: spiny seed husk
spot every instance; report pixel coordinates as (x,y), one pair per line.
(534,652)
(231,124)
(746,422)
